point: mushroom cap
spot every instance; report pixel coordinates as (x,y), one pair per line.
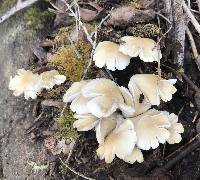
(153,87)
(127,107)
(107,53)
(51,78)
(151,129)
(136,155)
(25,82)
(85,122)
(175,129)
(140,105)
(145,48)
(74,91)
(119,142)
(79,105)
(105,126)
(104,97)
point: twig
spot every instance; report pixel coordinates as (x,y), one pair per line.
(179,154)
(194,48)
(198,3)
(18,7)
(52,103)
(72,170)
(193,86)
(192,18)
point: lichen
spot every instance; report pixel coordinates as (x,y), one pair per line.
(36,18)
(65,125)
(71,60)
(144,30)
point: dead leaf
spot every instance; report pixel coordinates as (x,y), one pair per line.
(87,15)
(124,16)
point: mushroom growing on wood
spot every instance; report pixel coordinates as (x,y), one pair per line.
(145,48)
(151,129)
(153,87)
(103,126)
(31,84)
(107,54)
(25,82)
(175,129)
(100,97)
(51,78)
(120,142)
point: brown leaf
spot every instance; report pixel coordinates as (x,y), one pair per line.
(87,15)
(124,16)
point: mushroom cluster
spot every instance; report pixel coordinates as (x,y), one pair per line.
(31,84)
(115,56)
(125,124)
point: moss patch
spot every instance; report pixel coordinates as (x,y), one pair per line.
(37,19)
(144,30)
(5,4)
(69,63)
(65,125)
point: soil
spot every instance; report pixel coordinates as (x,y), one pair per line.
(18,148)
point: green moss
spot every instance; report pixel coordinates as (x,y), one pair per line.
(36,18)
(65,125)
(146,30)
(7,3)
(61,38)
(69,63)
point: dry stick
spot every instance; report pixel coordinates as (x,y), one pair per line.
(18,7)
(179,154)
(194,48)
(193,86)
(198,3)
(192,18)
(77,173)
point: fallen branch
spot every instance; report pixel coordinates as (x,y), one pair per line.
(72,170)
(18,7)
(178,155)
(194,48)
(192,18)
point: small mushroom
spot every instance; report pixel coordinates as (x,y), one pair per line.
(175,129)
(107,54)
(120,142)
(51,78)
(25,82)
(153,87)
(151,129)
(145,48)
(136,155)
(103,126)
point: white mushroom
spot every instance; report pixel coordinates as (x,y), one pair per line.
(175,130)
(141,103)
(73,91)
(151,129)
(120,142)
(153,87)
(51,78)
(100,97)
(107,53)
(136,155)
(105,97)
(25,82)
(145,48)
(103,126)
